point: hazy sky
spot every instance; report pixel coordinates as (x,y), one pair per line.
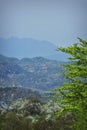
(58,21)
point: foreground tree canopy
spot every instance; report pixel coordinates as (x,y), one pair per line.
(73,94)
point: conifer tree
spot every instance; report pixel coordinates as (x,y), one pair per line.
(73,94)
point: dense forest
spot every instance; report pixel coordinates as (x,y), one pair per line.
(67,107)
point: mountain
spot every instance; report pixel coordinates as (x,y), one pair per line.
(28,47)
(13,93)
(36,73)
(25,47)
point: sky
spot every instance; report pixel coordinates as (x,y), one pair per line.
(57,21)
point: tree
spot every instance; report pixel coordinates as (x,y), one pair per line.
(14,122)
(73,94)
(2,120)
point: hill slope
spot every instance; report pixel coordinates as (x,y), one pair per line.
(36,73)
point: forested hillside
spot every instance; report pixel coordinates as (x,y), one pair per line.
(37,73)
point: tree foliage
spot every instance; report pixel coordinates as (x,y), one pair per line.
(73,94)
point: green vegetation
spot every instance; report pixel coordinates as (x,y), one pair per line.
(32,114)
(73,95)
(66,111)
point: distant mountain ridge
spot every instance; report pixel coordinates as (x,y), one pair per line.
(36,73)
(28,47)
(25,47)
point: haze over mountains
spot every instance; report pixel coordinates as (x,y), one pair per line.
(26,63)
(29,48)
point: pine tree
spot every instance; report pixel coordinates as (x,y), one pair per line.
(73,94)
